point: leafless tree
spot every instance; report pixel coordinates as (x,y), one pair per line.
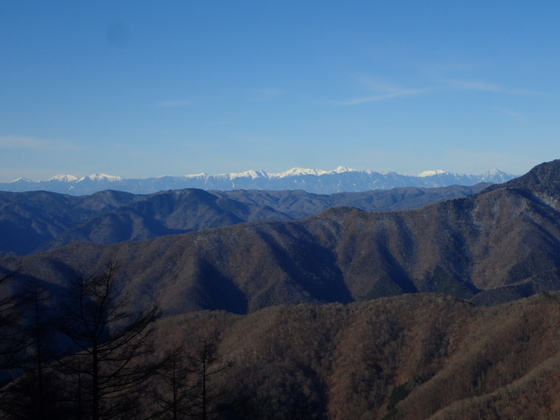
(205,365)
(108,341)
(12,341)
(171,388)
(187,388)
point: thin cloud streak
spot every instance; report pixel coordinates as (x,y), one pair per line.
(516,115)
(381,90)
(488,87)
(384,96)
(387,92)
(474,85)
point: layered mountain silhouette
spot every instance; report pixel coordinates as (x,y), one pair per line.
(43,220)
(326,316)
(494,246)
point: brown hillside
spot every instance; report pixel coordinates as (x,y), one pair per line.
(410,357)
(499,245)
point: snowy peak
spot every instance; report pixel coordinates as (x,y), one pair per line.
(21,180)
(63,178)
(342,169)
(101,177)
(496,176)
(341,179)
(247,174)
(298,172)
(431,173)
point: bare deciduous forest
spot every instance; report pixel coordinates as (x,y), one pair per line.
(449,311)
(389,358)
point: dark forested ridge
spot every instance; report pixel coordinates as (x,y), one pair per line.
(41,220)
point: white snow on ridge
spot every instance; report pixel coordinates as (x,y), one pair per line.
(20,179)
(433,172)
(254,174)
(340,179)
(247,174)
(189,176)
(342,169)
(101,177)
(63,178)
(297,171)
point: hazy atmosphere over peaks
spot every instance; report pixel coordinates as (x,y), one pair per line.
(142,89)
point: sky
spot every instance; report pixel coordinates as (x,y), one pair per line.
(149,88)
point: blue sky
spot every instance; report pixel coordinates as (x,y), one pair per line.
(149,88)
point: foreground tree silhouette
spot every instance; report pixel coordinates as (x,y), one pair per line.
(204,366)
(103,376)
(13,341)
(171,388)
(34,395)
(187,387)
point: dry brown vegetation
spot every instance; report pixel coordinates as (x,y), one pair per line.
(499,245)
(299,319)
(416,356)
(410,357)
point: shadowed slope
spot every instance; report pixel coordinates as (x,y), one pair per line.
(498,245)
(44,220)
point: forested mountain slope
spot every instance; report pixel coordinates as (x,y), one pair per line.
(302,321)
(412,357)
(498,245)
(43,220)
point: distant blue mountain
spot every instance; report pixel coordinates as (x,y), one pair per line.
(341,179)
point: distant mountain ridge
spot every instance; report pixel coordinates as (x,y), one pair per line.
(498,245)
(40,220)
(341,179)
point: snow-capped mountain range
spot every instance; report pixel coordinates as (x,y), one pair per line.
(341,179)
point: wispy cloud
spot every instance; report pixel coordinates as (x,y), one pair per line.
(174,104)
(516,115)
(397,93)
(381,91)
(473,85)
(32,143)
(385,91)
(487,87)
